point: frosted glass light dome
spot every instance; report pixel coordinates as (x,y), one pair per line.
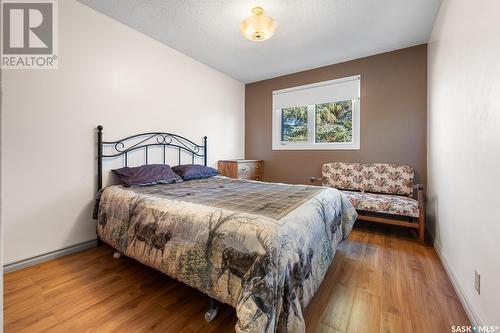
(258,27)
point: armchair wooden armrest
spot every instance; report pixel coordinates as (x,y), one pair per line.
(420,197)
(316,180)
(418,187)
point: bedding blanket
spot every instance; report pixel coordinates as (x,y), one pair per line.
(263,248)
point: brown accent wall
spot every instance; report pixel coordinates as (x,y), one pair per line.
(393,116)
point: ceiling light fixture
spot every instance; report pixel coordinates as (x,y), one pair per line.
(258,27)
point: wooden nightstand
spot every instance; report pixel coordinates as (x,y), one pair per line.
(242,169)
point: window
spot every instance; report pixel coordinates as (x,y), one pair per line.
(294,124)
(323,115)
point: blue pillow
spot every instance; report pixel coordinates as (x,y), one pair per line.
(149,174)
(194,171)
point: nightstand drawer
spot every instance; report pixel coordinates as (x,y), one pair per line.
(243,169)
(259,178)
(252,169)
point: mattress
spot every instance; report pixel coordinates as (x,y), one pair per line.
(263,248)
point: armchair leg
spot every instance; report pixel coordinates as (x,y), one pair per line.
(421,213)
(421,227)
(421,236)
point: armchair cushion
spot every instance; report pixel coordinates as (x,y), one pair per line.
(388,178)
(383,203)
(343,175)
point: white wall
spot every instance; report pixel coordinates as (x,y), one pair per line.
(464,148)
(108,74)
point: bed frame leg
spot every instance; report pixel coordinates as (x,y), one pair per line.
(117,254)
(212,311)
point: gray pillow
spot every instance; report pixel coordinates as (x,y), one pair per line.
(149,174)
(194,171)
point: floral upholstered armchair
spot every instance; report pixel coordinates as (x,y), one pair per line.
(380,192)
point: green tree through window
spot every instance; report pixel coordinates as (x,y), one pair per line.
(294,124)
(334,122)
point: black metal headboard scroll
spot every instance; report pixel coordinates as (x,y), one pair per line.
(145,141)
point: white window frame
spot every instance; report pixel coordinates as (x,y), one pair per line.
(277,144)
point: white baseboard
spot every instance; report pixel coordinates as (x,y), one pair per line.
(469,310)
(49,256)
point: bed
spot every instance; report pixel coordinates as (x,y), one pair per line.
(262,248)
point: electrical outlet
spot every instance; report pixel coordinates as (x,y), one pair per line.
(477,282)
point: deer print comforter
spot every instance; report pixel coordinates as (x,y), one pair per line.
(263,248)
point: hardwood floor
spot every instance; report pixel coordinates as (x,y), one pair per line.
(380,281)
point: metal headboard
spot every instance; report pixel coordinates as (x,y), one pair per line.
(146,141)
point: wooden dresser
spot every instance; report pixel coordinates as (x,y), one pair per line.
(242,169)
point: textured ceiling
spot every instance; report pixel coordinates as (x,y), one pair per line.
(310,33)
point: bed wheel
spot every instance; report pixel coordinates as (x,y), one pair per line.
(210,315)
(117,255)
(212,312)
